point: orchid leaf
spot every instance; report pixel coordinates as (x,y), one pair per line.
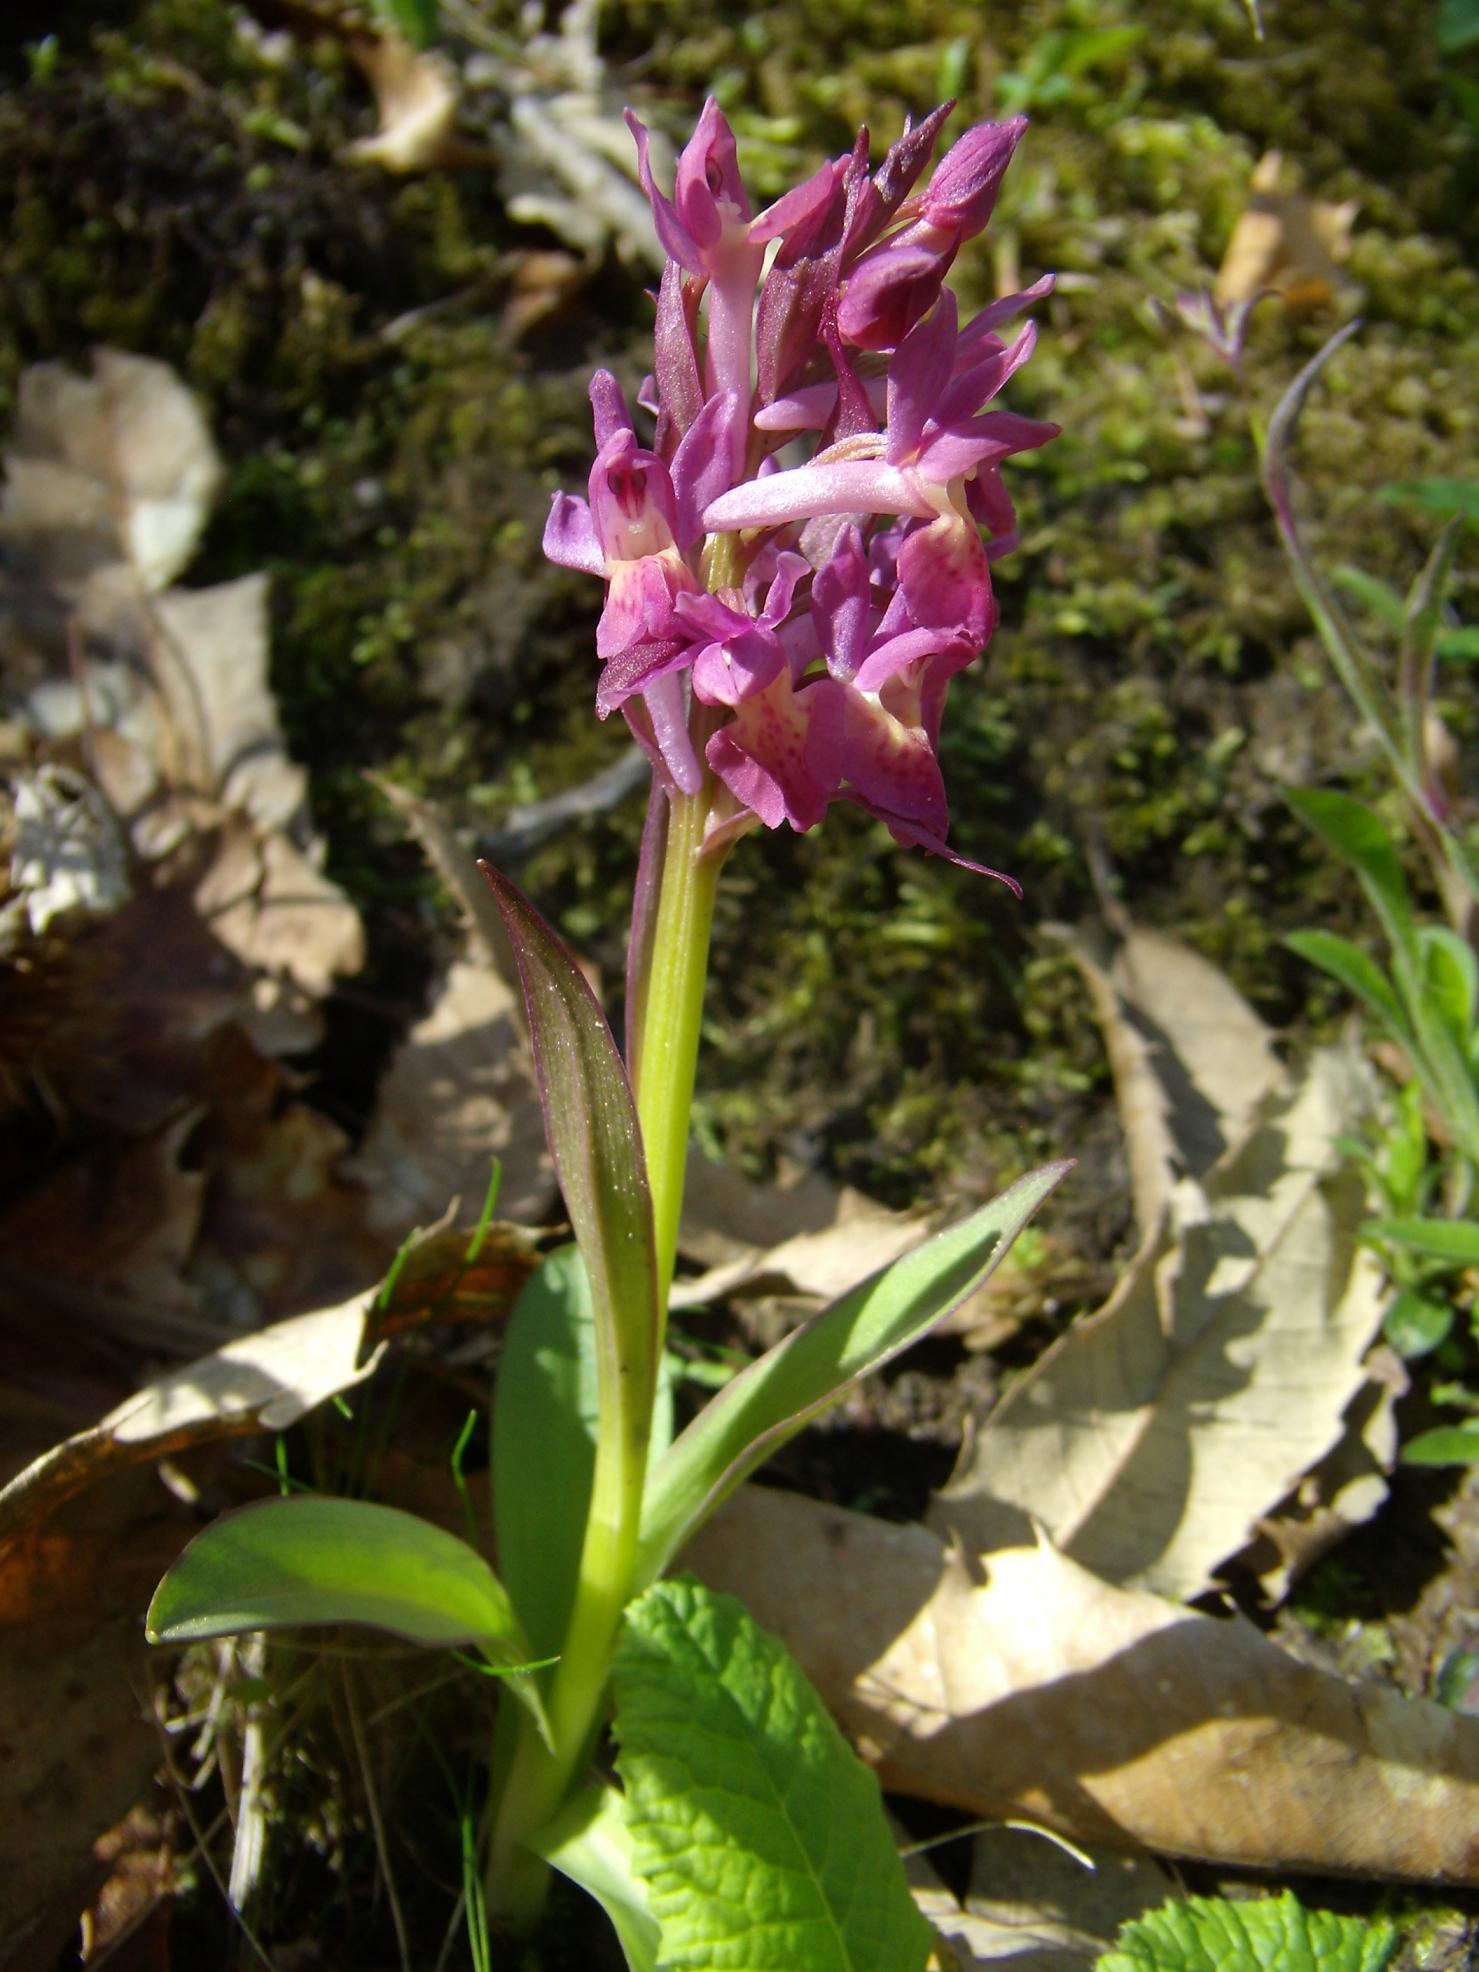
(1358,973)
(1453,1240)
(1358,834)
(758,1832)
(544,1442)
(286,1563)
(591,1125)
(589,1842)
(755,1414)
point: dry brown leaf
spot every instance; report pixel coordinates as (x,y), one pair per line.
(1152,1438)
(294,925)
(80,1742)
(1032,1906)
(1287,242)
(260,1382)
(1025,1686)
(459,1091)
(113,468)
(1191,1059)
(416,98)
(808,1238)
(211,659)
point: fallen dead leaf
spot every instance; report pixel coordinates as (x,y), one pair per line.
(1153,1437)
(808,1238)
(416,99)
(1285,241)
(1023,1686)
(1032,1906)
(459,1091)
(115,468)
(260,1382)
(211,660)
(1191,1060)
(80,1742)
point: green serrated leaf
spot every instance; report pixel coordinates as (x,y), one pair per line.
(1266,1934)
(767,1403)
(1416,1323)
(759,1833)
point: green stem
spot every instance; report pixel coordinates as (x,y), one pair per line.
(668,1052)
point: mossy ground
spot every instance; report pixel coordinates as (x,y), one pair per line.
(1154,683)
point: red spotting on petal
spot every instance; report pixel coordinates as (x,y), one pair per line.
(890,766)
(946,578)
(780,754)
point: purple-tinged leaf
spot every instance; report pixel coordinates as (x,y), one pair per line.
(590,1122)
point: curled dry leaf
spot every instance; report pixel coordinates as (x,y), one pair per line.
(115,468)
(1154,1436)
(1285,241)
(1023,1686)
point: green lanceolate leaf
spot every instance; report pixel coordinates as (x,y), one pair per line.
(1454,1240)
(1416,1323)
(1357,972)
(544,1443)
(591,1124)
(766,1404)
(1350,827)
(589,1842)
(758,1832)
(1361,837)
(1266,1934)
(286,1563)
(1446,1444)
(1451,973)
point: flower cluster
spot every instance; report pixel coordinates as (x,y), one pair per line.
(795,566)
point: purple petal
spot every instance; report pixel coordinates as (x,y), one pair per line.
(704,463)
(634,669)
(679,382)
(609,407)
(887,294)
(802,205)
(1009,305)
(676,241)
(844,486)
(973,386)
(890,767)
(946,579)
(961,193)
(667,707)
(918,373)
(887,660)
(570,536)
(731,672)
(708,173)
(911,836)
(906,159)
(779,755)
(840,605)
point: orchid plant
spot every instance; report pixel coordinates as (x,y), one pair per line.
(796,565)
